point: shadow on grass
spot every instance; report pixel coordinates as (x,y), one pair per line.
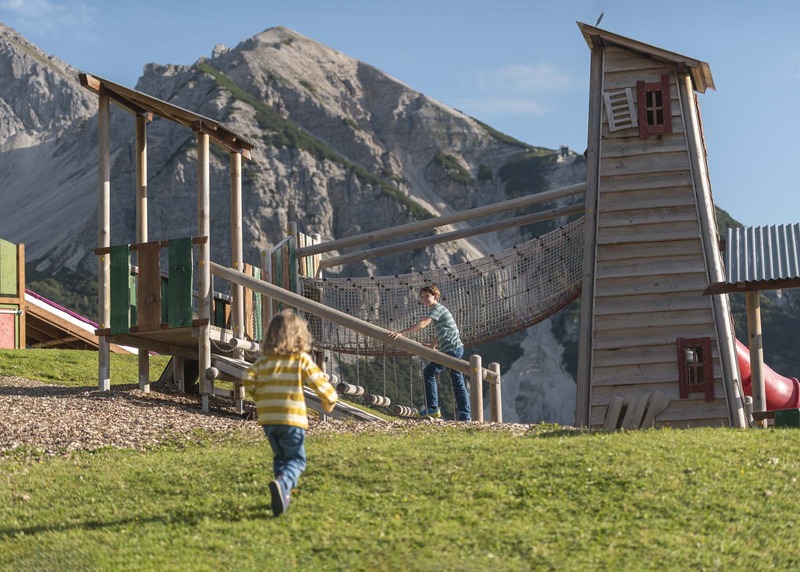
(260,512)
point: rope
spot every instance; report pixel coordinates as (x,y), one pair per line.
(489,298)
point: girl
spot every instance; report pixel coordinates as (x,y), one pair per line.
(275,383)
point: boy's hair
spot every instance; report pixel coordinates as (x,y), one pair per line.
(432,290)
(287,333)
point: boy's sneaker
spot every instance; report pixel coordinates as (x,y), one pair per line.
(432,413)
(280,502)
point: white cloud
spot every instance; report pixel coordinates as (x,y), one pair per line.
(45,16)
(526,90)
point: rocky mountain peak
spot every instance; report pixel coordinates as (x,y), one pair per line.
(39,94)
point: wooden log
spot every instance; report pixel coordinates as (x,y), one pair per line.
(413,227)
(404,411)
(377,400)
(349,389)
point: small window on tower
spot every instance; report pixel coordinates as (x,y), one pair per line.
(655,112)
(695,367)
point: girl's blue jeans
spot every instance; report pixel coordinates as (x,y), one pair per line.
(289,460)
(459,386)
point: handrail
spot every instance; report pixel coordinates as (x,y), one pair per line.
(417,226)
(447,236)
(348,321)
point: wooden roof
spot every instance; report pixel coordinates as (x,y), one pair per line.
(699,71)
(137,103)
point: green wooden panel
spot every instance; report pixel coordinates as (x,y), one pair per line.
(8,269)
(181,266)
(292,255)
(164,299)
(120,289)
(257,325)
(219,312)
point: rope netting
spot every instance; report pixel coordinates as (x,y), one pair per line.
(490,298)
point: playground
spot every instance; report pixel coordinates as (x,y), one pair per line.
(164,468)
(637,244)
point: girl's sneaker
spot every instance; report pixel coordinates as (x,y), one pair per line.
(433,413)
(280,502)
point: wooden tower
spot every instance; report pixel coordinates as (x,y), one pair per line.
(654,350)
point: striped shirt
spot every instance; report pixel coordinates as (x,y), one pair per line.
(275,383)
(447,336)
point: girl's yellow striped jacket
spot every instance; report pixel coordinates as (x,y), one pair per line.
(275,383)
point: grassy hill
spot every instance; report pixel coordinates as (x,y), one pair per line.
(410,496)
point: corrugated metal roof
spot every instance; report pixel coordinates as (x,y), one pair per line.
(762,253)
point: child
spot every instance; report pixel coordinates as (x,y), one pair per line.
(275,382)
(448,340)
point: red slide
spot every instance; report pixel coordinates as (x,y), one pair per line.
(782,392)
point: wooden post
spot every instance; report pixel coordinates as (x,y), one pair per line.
(236,248)
(204,267)
(103,241)
(726,342)
(476,387)
(756,353)
(21,293)
(495,396)
(585,349)
(178,373)
(141,226)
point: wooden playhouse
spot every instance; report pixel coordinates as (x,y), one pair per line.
(654,350)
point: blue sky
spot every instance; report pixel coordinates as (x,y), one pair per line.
(521,66)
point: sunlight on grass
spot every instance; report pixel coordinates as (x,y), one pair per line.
(466,499)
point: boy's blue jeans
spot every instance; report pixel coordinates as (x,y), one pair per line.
(289,461)
(459,386)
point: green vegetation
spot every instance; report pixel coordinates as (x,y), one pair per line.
(453,168)
(74,368)
(484,172)
(351,124)
(74,290)
(725,221)
(527,175)
(308,85)
(500,136)
(283,133)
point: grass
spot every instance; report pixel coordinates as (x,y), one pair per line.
(73,368)
(423,496)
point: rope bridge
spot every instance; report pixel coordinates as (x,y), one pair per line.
(489,298)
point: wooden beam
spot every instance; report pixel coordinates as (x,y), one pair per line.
(418,226)
(449,236)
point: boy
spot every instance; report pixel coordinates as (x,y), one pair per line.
(448,340)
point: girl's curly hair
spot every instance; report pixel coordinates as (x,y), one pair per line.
(287,333)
